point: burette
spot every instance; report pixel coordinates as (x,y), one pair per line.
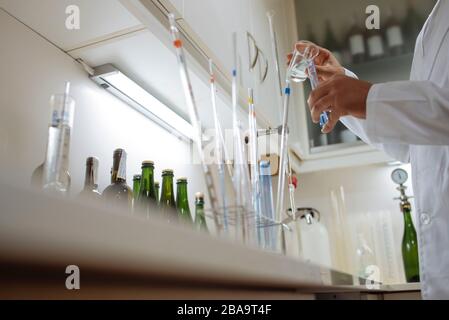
(283,102)
(252,122)
(220,150)
(241,174)
(193,113)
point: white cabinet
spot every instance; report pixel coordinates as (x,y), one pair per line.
(99,20)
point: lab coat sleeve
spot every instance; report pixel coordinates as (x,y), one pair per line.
(397,151)
(408,112)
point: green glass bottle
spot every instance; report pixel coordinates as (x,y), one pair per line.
(157,188)
(118,194)
(136,185)
(136,189)
(146,200)
(200,219)
(409,245)
(90,190)
(182,201)
(167,203)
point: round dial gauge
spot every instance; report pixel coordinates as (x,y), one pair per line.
(399,176)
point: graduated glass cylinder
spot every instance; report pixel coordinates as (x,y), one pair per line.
(57,158)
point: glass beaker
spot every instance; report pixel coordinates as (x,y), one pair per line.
(302,59)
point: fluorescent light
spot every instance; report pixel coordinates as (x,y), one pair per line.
(111,79)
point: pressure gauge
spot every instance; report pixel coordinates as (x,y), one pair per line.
(399,176)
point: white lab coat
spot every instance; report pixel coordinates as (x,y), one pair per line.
(409,120)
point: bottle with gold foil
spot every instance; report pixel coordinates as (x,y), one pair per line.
(182,201)
(167,202)
(118,193)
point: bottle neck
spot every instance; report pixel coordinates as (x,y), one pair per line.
(118,174)
(136,187)
(147,182)
(91,177)
(199,205)
(182,196)
(167,196)
(407,211)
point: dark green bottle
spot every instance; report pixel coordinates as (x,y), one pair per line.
(136,190)
(118,194)
(157,188)
(167,202)
(200,219)
(409,246)
(146,200)
(182,201)
(136,186)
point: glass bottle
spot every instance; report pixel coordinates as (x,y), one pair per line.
(136,189)
(167,202)
(200,218)
(182,201)
(311,35)
(365,259)
(412,25)
(157,188)
(409,245)
(331,42)
(393,35)
(118,194)
(375,44)
(90,190)
(356,42)
(56,165)
(146,201)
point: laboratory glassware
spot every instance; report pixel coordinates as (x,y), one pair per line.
(275,53)
(269,229)
(194,118)
(245,228)
(220,151)
(56,163)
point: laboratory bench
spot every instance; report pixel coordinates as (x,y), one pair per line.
(123,257)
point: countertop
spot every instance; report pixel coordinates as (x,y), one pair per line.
(38,232)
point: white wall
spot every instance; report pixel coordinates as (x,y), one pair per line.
(31,70)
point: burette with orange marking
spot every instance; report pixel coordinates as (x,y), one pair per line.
(193,114)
